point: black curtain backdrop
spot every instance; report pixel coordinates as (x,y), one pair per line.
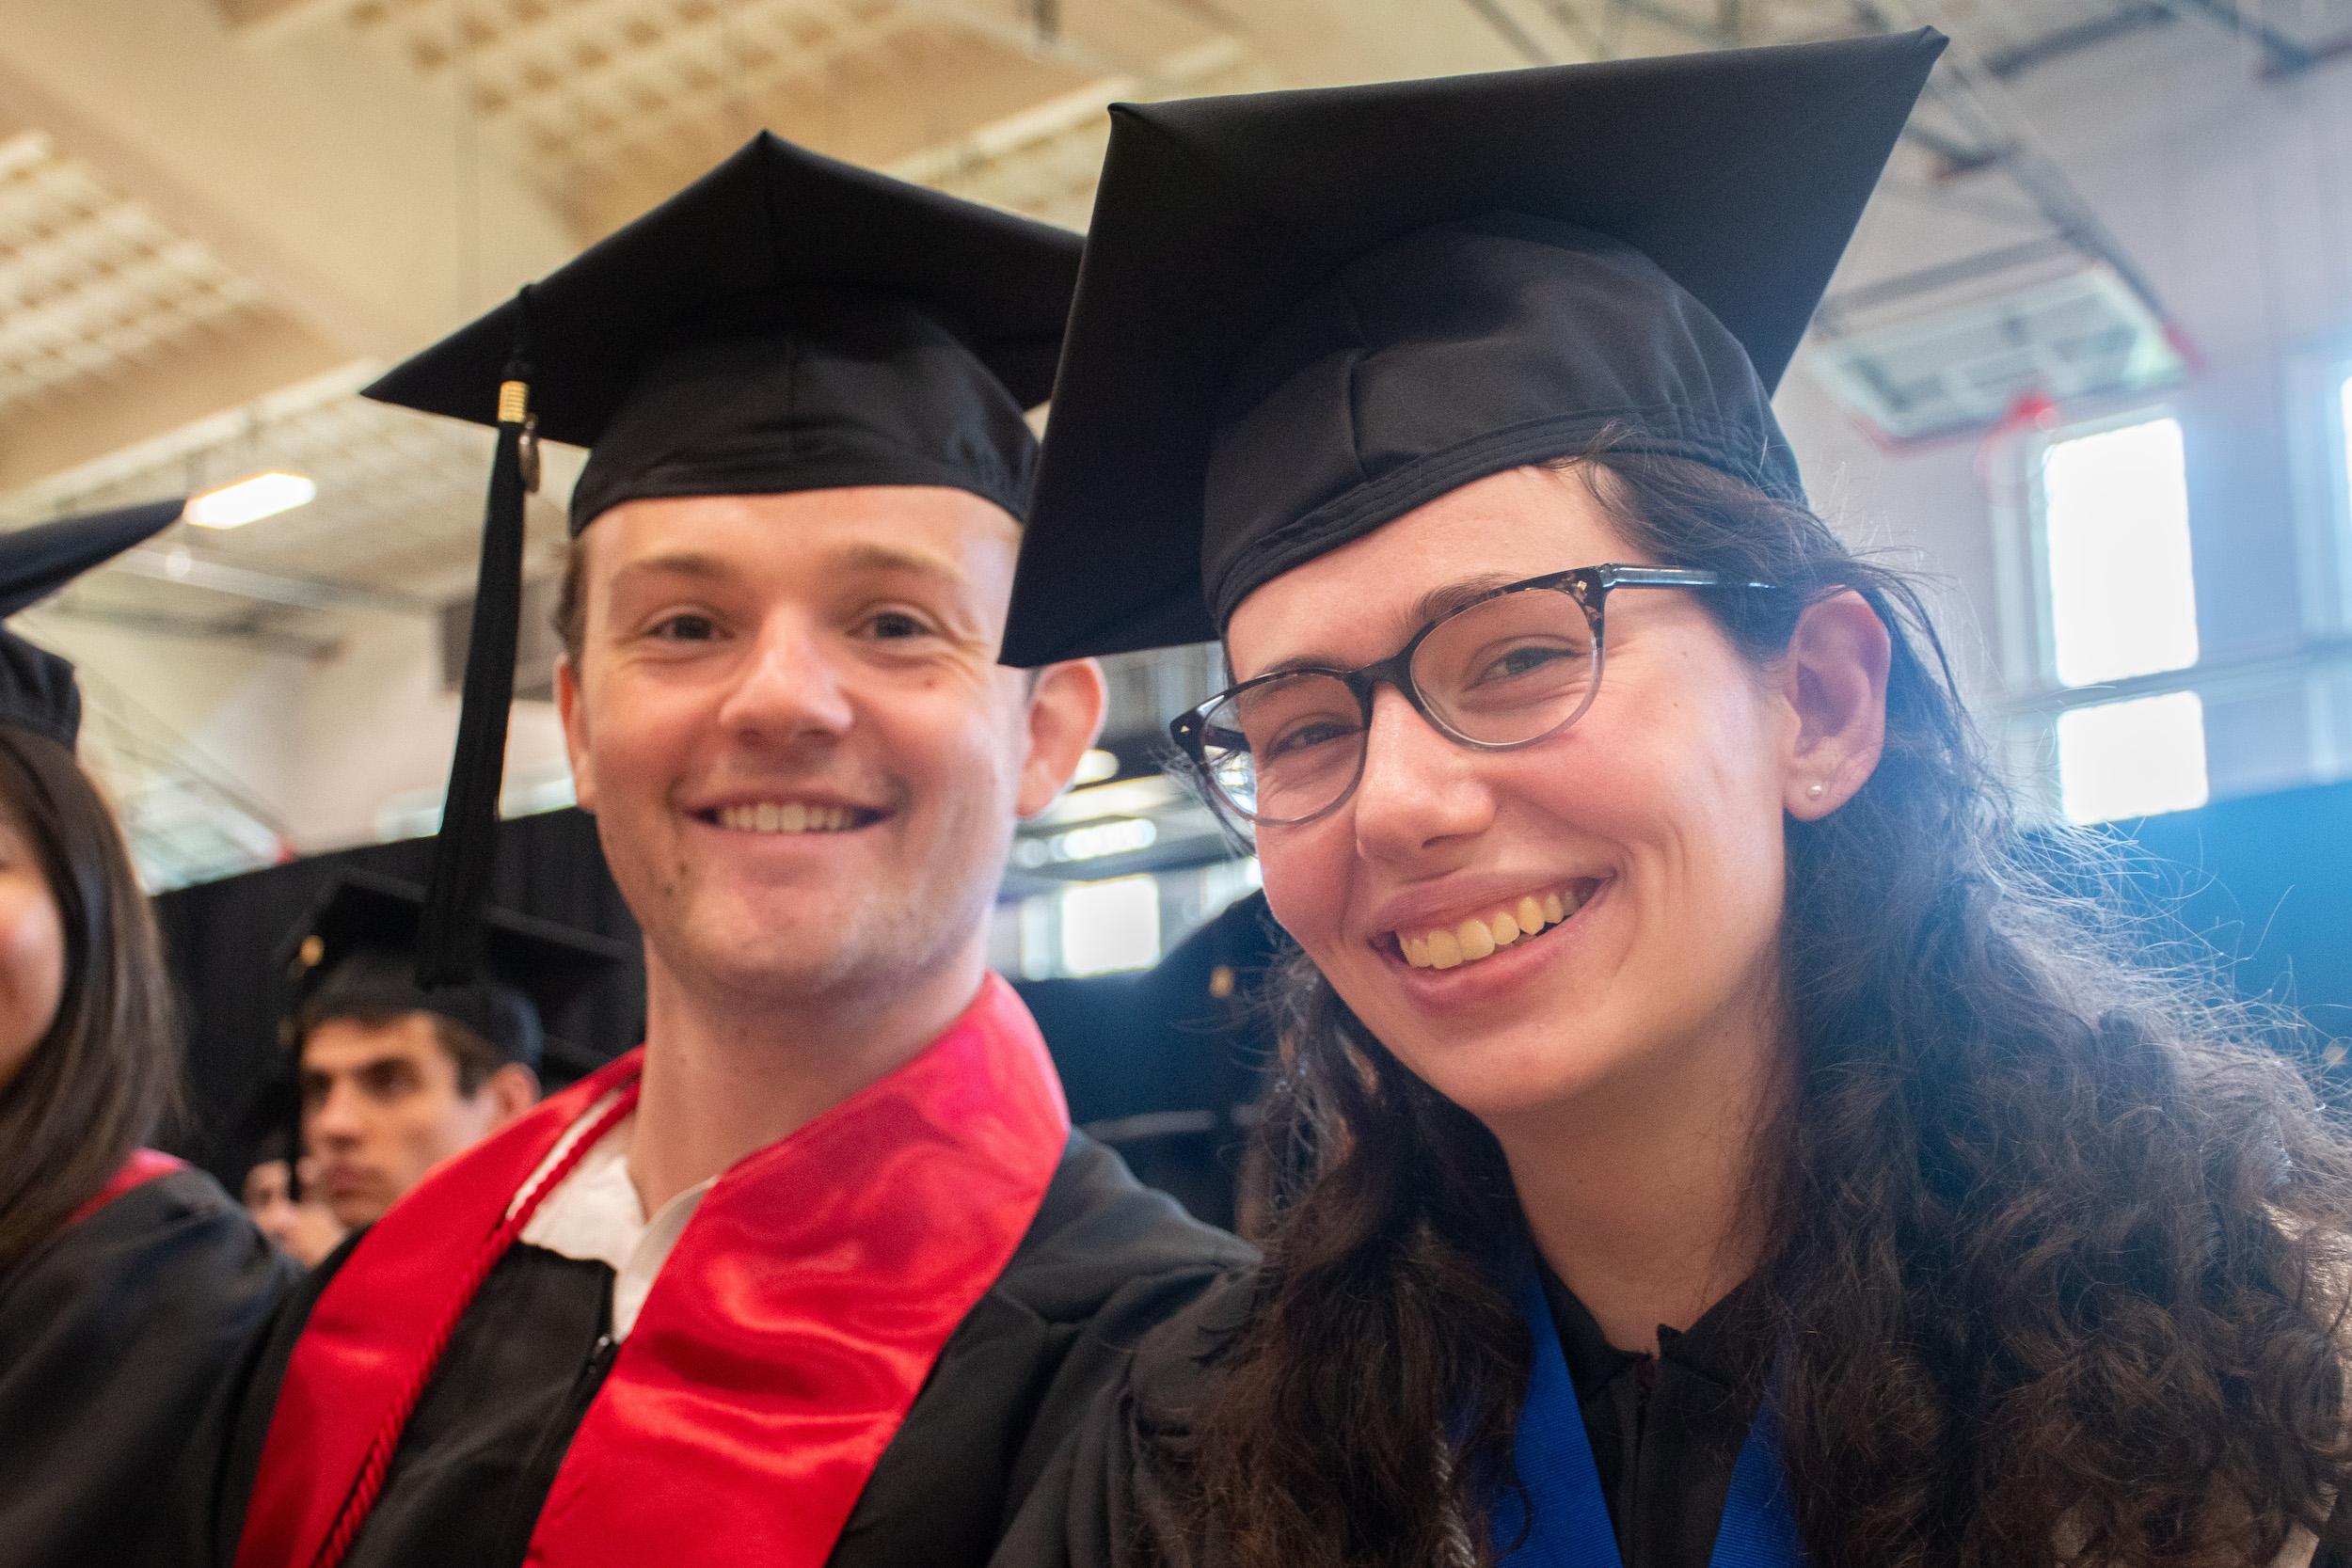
(224,940)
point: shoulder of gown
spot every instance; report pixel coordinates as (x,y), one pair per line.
(1104,1263)
(1110,1496)
(225,1452)
(117,1336)
(1111,1253)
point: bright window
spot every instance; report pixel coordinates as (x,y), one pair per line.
(2115,525)
(2135,758)
(1109,925)
(2345,399)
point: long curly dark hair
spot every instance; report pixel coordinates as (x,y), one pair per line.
(2057,1238)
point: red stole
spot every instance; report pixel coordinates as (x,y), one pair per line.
(143,1167)
(781,1345)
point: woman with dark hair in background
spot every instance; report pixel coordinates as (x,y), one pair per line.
(1709,1134)
(126,1279)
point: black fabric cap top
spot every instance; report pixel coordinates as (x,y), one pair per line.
(785,322)
(354,955)
(1303,314)
(37,692)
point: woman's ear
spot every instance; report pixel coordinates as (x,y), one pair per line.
(1834,679)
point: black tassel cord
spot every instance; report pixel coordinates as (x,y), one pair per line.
(449,941)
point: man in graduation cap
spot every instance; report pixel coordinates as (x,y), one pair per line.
(392,1077)
(820,1274)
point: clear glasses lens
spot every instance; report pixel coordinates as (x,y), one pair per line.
(1284,749)
(1509,670)
(1503,673)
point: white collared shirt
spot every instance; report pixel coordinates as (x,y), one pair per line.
(594,1215)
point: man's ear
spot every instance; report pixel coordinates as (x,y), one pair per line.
(1065,714)
(575,717)
(1833,679)
(514,1089)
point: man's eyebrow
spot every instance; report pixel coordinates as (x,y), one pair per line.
(1437,603)
(873,558)
(682,563)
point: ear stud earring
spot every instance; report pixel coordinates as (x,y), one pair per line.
(1814,790)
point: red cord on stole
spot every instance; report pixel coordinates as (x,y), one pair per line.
(370,1482)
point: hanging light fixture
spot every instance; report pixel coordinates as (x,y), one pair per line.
(249,499)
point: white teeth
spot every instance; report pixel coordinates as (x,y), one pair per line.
(1478,938)
(791,816)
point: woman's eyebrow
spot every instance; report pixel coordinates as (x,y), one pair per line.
(1446,598)
(1434,605)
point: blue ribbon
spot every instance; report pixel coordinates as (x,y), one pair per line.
(1561,1487)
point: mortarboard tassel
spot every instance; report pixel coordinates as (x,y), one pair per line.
(450,940)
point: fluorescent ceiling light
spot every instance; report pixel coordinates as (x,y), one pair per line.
(250,499)
(1098,763)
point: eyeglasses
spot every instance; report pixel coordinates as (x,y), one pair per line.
(1515,665)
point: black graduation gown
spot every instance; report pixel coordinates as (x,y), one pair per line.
(1665,1431)
(1104,1260)
(113,1336)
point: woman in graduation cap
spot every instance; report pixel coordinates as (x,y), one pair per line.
(126,1279)
(1710,1135)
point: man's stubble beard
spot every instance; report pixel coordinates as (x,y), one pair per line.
(889,946)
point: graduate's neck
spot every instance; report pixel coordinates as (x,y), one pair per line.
(727,1074)
(1640,1197)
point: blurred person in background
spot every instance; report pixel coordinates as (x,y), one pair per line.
(394,1077)
(127,1280)
(1709,1131)
(303,1227)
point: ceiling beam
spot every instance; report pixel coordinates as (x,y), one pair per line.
(353,191)
(1337,42)
(1197,69)
(210,372)
(271,588)
(930,87)
(1130,39)
(260,19)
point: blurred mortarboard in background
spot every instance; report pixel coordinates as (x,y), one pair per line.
(37,692)
(1303,314)
(355,954)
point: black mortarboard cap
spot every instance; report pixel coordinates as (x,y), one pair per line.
(1303,314)
(785,322)
(355,952)
(37,692)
